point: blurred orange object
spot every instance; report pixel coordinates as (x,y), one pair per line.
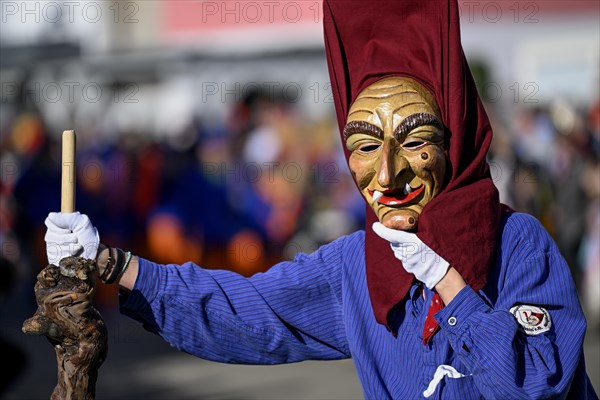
(27,134)
(245,253)
(168,243)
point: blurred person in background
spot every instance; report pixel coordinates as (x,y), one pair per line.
(473,300)
(11,353)
(589,251)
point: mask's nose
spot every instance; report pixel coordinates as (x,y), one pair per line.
(391,165)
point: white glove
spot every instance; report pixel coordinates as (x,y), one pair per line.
(70,234)
(417,258)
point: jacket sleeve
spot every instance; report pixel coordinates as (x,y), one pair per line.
(504,359)
(290,313)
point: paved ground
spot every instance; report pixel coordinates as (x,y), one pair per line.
(142,366)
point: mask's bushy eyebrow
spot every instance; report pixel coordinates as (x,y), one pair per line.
(414,121)
(361,127)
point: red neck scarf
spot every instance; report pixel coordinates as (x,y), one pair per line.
(366,41)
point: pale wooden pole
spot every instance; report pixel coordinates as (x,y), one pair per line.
(67,198)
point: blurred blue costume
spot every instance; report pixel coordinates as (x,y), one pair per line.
(317,307)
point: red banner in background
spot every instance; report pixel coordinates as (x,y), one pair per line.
(189,16)
(523,11)
(185,16)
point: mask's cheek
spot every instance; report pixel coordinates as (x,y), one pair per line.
(438,168)
(362,170)
(429,165)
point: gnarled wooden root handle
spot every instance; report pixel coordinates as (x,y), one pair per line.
(65,316)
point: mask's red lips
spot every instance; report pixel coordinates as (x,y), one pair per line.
(397,197)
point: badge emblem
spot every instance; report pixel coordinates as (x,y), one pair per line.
(533,320)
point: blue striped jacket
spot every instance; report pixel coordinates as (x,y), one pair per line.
(317,307)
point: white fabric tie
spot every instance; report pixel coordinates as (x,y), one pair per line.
(441,371)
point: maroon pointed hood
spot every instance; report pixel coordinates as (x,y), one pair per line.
(366,41)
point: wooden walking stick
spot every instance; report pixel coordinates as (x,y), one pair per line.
(67,194)
(65,315)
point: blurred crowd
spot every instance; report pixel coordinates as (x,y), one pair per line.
(546,162)
(265,183)
(242,194)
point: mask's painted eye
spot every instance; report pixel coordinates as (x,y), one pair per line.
(368,148)
(414,144)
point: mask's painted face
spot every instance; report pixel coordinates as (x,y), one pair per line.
(396,139)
